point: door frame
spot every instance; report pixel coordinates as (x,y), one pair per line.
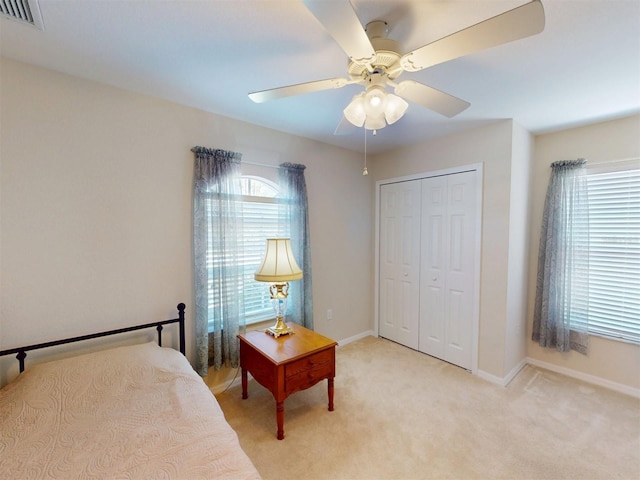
(478,168)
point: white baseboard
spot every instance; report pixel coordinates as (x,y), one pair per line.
(585,377)
(503,381)
(343,342)
(490,378)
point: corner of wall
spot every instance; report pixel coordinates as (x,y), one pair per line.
(503,381)
(518,248)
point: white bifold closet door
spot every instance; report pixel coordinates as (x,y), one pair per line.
(427,261)
(447,263)
(399,284)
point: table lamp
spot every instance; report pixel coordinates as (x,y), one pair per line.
(278,268)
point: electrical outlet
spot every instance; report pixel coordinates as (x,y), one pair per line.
(329,314)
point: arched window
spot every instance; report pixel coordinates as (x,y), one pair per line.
(258,187)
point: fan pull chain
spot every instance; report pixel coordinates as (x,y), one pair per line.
(364,171)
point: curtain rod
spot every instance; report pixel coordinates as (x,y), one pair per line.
(259,164)
(621,160)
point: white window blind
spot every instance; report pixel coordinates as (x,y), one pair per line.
(262,217)
(614,254)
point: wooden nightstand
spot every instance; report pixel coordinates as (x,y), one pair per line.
(287,364)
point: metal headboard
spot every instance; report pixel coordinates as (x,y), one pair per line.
(22,351)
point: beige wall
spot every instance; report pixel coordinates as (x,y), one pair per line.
(600,143)
(518,257)
(95,209)
(492,146)
(95,214)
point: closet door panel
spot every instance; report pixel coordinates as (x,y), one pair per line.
(446,285)
(432,266)
(399,262)
(460,264)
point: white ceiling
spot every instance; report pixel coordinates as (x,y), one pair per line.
(584,67)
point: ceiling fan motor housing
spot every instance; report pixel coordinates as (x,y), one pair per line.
(387,56)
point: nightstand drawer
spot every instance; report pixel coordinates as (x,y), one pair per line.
(308,371)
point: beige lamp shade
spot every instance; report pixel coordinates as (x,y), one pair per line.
(278,264)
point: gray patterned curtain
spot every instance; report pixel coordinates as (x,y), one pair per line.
(294,193)
(217,235)
(560,317)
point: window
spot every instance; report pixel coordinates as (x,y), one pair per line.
(263,217)
(614,254)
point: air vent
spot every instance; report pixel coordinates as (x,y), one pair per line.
(24,11)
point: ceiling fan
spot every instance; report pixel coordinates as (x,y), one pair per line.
(376,61)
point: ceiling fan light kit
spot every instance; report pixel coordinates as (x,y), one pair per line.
(375,61)
(375,109)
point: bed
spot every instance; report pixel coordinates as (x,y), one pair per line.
(136,411)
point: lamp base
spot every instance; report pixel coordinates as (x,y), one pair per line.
(280,328)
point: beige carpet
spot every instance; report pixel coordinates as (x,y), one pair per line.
(400,414)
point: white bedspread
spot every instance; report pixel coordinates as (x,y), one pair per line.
(128,412)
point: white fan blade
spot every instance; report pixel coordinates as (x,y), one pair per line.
(298,89)
(345,127)
(340,20)
(431,98)
(515,24)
